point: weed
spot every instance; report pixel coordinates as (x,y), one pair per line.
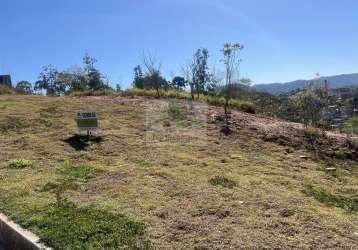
(346,203)
(222,181)
(20,163)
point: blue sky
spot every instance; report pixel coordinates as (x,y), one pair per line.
(284,39)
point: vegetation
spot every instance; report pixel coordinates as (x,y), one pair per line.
(222,181)
(20,163)
(138,180)
(346,203)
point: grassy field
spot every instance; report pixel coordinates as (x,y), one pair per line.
(159,174)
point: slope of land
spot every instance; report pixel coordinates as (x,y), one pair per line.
(337,81)
(160,173)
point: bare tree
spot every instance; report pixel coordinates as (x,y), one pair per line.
(153,78)
(231,60)
(189,72)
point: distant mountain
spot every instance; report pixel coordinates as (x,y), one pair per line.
(335,82)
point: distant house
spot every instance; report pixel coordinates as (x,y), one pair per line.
(5,80)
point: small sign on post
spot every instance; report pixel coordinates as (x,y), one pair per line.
(87,121)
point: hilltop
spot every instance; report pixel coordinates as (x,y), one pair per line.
(337,81)
(159,174)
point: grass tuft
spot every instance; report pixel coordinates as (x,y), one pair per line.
(20,163)
(222,181)
(81,172)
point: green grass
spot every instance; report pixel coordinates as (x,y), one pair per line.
(81,172)
(20,163)
(223,181)
(71,227)
(347,203)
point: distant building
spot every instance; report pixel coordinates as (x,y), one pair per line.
(5,80)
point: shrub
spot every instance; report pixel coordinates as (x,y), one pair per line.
(20,163)
(222,181)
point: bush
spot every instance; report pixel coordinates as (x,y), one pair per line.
(222,181)
(20,163)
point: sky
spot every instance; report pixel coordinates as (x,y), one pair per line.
(284,40)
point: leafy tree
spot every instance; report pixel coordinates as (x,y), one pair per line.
(94,77)
(200,70)
(138,81)
(178,83)
(49,81)
(23,87)
(308,105)
(74,79)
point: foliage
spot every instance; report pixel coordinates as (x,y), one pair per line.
(94,77)
(50,82)
(222,181)
(308,106)
(200,70)
(20,163)
(178,83)
(75,79)
(138,81)
(24,88)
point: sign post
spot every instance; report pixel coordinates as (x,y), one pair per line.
(87,121)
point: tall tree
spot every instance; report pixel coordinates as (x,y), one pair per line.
(49,81)
(138,80)
(231,60)
(94,77)
(200,68)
